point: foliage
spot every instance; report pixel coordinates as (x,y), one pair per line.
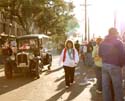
(36,16)
(72,25)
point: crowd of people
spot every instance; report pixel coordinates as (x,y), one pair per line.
(106,55)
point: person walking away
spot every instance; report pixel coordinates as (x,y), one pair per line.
(69,57)
(77,46)
(112,53)
(97,65)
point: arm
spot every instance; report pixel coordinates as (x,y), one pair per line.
(121,53)
(76,56)
(61,57)
(94,52)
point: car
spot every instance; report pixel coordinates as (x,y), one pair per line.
(31,56)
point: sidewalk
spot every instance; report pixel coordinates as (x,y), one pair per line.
(88,78)
(1,66)
(85,76)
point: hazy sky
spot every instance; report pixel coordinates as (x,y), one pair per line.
(101,15)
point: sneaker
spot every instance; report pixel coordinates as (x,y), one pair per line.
(72,83)
(67,87)
(98,91)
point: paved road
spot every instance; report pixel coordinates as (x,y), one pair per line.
(50,86)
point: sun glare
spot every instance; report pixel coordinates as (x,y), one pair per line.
(101,14)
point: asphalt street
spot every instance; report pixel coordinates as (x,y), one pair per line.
(50,86)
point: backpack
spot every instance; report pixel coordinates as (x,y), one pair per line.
(64,55)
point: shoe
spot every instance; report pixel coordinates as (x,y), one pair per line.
(98,91)
(67,87)
(72,83)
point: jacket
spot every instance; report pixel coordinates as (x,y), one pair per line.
(111,50)
(69,62)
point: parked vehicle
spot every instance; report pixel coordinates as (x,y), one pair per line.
(32,55)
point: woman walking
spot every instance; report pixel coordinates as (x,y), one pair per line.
(70,58)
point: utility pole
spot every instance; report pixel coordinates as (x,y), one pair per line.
(115,17)
(88,31)
(85,20)
(85,17)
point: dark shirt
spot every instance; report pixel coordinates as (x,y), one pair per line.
(7,51)
(112,52)
(77,46)
(89,48)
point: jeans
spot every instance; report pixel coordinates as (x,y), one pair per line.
(112,83)
(88,59)
(69,74)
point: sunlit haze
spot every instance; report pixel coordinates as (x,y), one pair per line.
(101,15)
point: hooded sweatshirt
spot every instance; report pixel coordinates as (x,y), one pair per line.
(111,50)
(68,61)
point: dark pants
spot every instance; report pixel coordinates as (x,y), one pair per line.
(69,75)
(98,72)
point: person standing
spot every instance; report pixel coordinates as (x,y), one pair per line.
(70,58)
(112,53)
(98,65)
(77,46)
(88,58)
(6,52)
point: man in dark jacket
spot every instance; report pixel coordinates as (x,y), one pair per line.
(112,52)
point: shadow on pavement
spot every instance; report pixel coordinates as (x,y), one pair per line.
(62,77)
(7,85)
(74,90)
(85,78)
(95,96)
(54,70)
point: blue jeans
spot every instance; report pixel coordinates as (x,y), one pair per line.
(112,83)
(88,59)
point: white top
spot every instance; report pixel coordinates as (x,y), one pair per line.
(68,61)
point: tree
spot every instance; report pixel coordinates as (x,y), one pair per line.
(72,24)
(37,16)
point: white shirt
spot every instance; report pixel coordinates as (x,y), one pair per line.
(68,61)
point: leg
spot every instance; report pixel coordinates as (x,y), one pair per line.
(106,84)
(72,71)
(116,76)
(99,78)
(67,75)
